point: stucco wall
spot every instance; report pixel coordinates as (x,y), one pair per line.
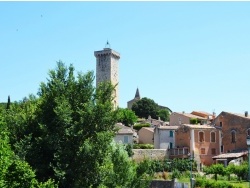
(163,139)
(174,119)
(156,154)
(120,138)
(146,136)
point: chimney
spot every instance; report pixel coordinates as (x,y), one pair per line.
(246,113)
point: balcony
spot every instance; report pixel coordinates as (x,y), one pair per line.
(179,152)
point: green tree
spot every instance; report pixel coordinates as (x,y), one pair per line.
(216,169)
(163,114)
(8,103)
(126,116)
(69,132)
(15,172)
(145,107)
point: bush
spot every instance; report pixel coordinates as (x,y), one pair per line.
(208,183)
(143,146)
(140,125)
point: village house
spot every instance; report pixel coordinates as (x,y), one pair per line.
(164,137)
(234,129)
(200,141)
(178,118)
(124,134)
(146,135)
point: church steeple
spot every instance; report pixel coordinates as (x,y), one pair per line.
(137,94)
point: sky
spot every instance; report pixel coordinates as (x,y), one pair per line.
(184,55)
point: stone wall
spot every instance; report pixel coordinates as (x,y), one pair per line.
(156,154)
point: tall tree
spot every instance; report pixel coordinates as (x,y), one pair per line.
(8,103)
(145,107)
(70,130)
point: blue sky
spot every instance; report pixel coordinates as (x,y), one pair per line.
(184,55)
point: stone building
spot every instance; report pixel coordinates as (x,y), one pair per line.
(107,69)
(234,131)
(137,98)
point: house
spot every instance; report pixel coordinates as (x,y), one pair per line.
(206,115)
(234,131)
(201,141)
(146,135)
(164,137)
(178,118)
(235,158)
(124,134)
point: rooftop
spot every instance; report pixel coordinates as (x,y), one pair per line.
(191,126)
(230,155)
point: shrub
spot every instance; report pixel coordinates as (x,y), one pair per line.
(140,125)
(143,146)
(208,183)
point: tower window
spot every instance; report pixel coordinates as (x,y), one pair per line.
(221,124)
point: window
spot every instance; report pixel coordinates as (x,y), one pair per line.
(213,151)
(201,136)
(212,137)
(248,132)
(233,136)
(221,123)
(125,139)
(171,134)
(203,151)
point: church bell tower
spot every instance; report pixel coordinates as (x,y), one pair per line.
(107,61)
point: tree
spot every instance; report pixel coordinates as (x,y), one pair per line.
(70,129)
(145,107)
(15,172)
(163,114)
(216,169)
(8,103)
(126,116)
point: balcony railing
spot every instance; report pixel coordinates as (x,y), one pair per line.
(179,151)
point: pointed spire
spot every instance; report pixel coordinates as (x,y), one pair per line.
(137,94)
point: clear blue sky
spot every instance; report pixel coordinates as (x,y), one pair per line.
(184,55)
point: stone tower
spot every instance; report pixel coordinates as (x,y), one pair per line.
(107,69)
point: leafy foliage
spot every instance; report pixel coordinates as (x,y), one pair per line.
(138,126)
(145,107)
(163,114)
(216,169)
(66,134)
(143,146)
(126,116)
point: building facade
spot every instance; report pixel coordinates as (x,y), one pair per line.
(234,131)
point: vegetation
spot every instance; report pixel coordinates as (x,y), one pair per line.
(65,135)
(147,107)
(126,116)
(138,126)
(143,146)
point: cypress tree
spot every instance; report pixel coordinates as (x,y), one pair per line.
(8,103)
